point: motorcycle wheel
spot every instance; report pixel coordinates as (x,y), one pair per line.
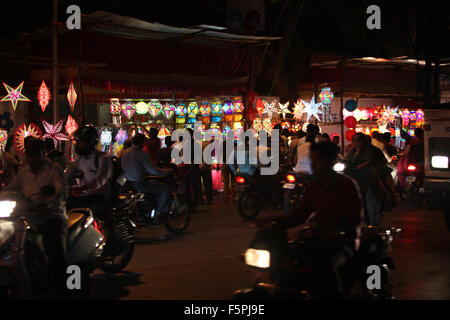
(115,263)
(116,254)
(249,205)
(179,216)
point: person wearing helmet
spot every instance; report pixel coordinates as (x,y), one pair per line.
(92,170)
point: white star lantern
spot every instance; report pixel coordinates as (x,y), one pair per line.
(298,109)
(312,108)
(284,109)
(270,108)
(53,131)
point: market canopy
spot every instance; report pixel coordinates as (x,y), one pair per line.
(117,56)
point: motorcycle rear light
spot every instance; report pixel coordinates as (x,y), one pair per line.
(240,180)
(412,167)
(290,178)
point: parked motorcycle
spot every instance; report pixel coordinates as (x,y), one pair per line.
(24,272)
(282,268)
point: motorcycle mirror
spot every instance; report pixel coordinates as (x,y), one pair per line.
(48,190)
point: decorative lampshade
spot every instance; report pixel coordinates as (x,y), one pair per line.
(181,110)
(169,111)
(43,96)
(216,109)
(193,109)
(71,96)
(128,109)
(227,107)
(142,107)
(71,125)
(163,132)
(115,108)
(225,131)
(238,106)
(205,109)
(326,95)
(154,108)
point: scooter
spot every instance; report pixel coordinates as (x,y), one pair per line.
(24,272)
(282,269)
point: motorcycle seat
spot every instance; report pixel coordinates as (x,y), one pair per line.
(73,218)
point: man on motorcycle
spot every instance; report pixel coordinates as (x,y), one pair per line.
(49,217)
(92,170)
(137,165)
(335,203)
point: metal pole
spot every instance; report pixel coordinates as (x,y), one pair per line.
(55,61)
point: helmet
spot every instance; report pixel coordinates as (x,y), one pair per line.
(89,135)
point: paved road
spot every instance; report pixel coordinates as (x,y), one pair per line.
(204,262)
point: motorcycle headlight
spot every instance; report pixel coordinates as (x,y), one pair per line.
(339,167)
(257,258)
(6,208)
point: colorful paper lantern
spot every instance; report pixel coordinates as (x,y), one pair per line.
(163,132)
(128,109)
(405,117)
(227,107)
(71,96)
(312,108)
(181,110)
(53,131)
(267,125)
(142,107)
(351,105)
(43,96)
(71,125)
(169,111)
(259,106)
(121,136)
(349,134)
(419,118)
(24,131)
(216,109)
(350,122)
(238,106)
(326,95)
(205,109)
(115,108)
(192,109)
(3,139)
(14,95)
(257,124)
(154,108)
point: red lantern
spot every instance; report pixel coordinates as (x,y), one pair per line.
(349,134)
(350,122)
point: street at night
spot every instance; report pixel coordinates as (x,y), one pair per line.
(190,264)
(223,158)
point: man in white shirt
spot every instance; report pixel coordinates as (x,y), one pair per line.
(49,214)
(303,158)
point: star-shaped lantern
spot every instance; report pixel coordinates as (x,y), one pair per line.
(53,131)
(270,108)
(71,125)
(14,95)
(298,109)
(71,96)
(43,96)
(312,108)
(24,131)
(284,109)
